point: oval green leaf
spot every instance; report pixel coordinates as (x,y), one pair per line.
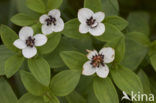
(22,19)
(64,82)
(31,84)
(94,5)
(54,4)
(105,91)
(8,37)
(52,43)
(36,5)
(13,64)
(71,30)
(73,59)
(40,70)
(126,80)
(117,21)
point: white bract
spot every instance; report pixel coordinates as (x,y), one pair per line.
(91,22)
(27,42)
(52,22)
(98,62)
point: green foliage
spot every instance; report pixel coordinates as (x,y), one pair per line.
(36,5)
(4,55)
(110,34)
(153,61)
(138,22)
(75,97)
(8,37)
(117,21)
(29,98)
(96,7)
(74,60)
(64,82)
(53,41)
(105,90)
(126,80)
(31,84)
(13,64)
(7,95)
(40,70)
(71,30)
(110,7)
(54,4)
(22,19)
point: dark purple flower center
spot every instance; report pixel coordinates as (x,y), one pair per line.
(97,60)
(30,42)
(90,22)
(51,20)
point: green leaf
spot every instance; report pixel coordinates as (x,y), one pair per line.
(40,70)
(22,19)
(8,37)
(64,82)
(110,7)
(126,80)
(4,55)
(153,61)
(71,30)
(31,84)
(67,44)
(139,38)
(139,22)
(6,95)
(105,91)
(73,59)
(36,5)
(145,81)
(29,98)
(75,97)
(54,4)
(117,21)
(119,46)
(134,54)
(50,97)
(110,34)
(52,43)
(96,7)
(13,64)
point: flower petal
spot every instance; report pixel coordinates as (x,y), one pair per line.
(55,13)
(29,52)
(83,28)
(88,69)
(40,39)
(47,29)
(84,14)
(97,31)
(25,32)
(91,54)
(99,16)
(102,71)
(43,18)
(19,44)
(109,54)
(59,25)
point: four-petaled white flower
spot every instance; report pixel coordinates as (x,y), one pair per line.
(27,42)
(52,22)
(97,62)
(91,22)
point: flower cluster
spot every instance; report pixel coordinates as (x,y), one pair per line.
(90,22)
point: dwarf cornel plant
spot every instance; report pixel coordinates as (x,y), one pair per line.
(77,51)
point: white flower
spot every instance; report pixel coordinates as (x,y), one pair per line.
(98,62)
(91,22)
(27,42)
(52,22)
